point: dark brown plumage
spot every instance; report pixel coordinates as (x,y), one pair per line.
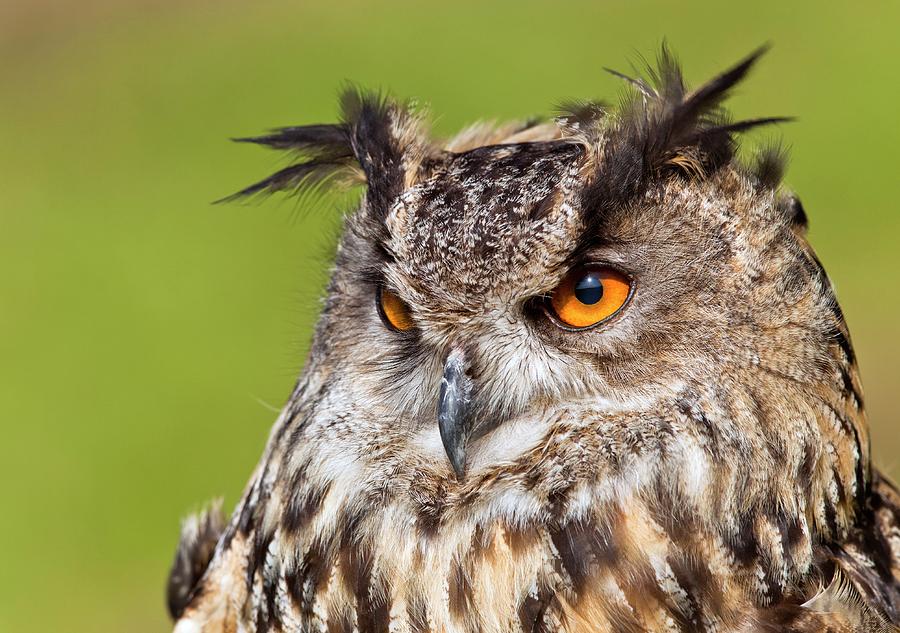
(199,535)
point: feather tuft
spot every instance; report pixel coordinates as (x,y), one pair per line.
(843,598)
(378,141)
(770,164)
(661,130)
(199,536)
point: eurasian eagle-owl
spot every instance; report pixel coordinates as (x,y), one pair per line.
(586,375)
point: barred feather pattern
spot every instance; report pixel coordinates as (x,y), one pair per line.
(526,550)
(699,463)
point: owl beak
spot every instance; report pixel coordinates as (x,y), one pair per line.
(454,421)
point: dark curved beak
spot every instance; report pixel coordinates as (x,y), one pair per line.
(454,409)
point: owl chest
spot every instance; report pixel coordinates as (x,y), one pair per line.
(500,578)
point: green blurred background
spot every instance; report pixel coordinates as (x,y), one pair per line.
(148,337)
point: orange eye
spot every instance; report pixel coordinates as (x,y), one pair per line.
(589,295)
(394,312)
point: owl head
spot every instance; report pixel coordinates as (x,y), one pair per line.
(617,272)
(599,339)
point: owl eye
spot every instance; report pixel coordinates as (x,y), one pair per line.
(394,312)
(589,295)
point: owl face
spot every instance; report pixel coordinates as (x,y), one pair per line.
(489,292)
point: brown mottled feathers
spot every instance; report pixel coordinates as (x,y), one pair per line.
(199,534)
(698,462)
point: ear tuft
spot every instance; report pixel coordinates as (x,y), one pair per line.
(378,142)
(662,127)
(389,142)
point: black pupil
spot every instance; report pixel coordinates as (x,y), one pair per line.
(589,289)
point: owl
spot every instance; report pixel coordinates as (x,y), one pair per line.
(581,375)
